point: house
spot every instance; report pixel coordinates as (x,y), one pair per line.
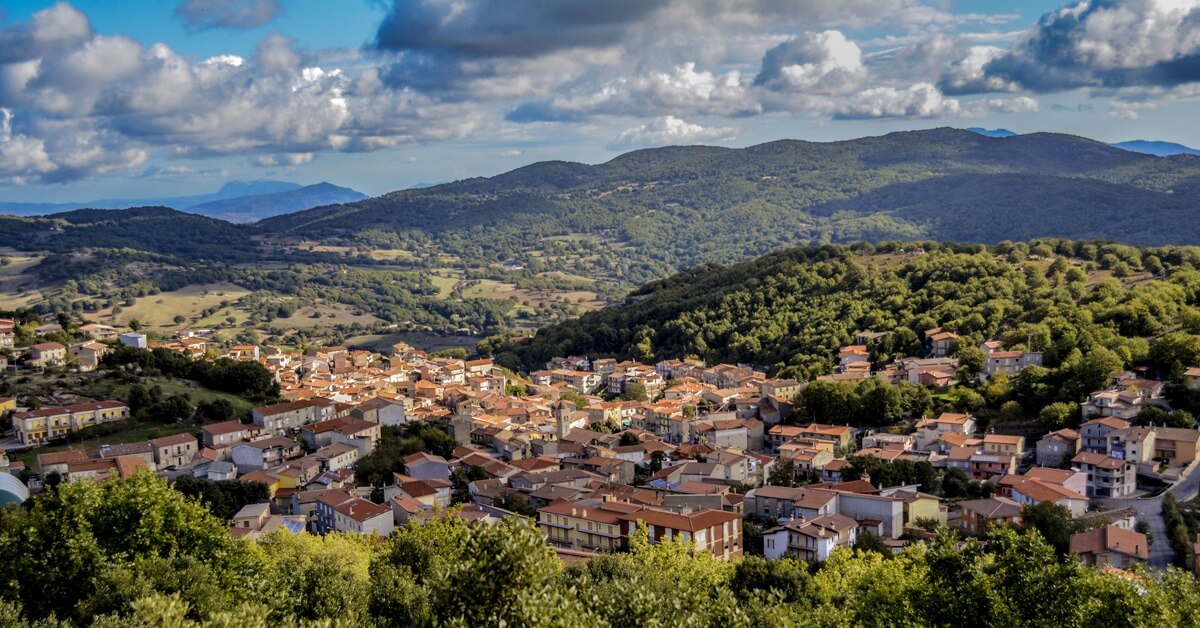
(423,466)
(385,411)
(918,506)
(337,511)
(1055,447)
(228,433)
(88,354)
(782,503)
(292,415)
(47,354)
(1095,433)
(1107,476)
(267,453)
(1003,444)
(336,456)
(1009,362)
(593,525)
(715,531)
(1121,404)
(1176,445)
(984,466)
(1135,444)
(929,431)
(1041,484)
(811,540)
(1191,378)
(174,451)
(255,520)
(56,462)
(977,515)
(133,339)
(8,334)
(35,426)
(941,343)
(1111,546)
(96,331)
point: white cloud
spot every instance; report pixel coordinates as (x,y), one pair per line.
(512,152)
(814,63)
(669,130)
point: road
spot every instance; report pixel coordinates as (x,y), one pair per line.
(1149,509)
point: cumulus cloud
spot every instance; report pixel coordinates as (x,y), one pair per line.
(237,14)
(57,28)
(923,100)
(680,89)
(821,63)
(669,130)
(105,102)
(1103,43)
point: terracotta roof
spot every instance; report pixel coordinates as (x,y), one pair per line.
(1111,539)
(61,457)
(1099,460)
(993,508)
(182,438)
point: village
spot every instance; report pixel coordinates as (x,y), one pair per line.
(594,448)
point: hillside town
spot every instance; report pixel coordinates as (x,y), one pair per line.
(593,448)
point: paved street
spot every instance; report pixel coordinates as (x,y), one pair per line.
(1149,509)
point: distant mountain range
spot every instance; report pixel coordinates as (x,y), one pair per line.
(236,201)
(651,212)
(1161,149)
(991,132)
(687,205)
(1146,147)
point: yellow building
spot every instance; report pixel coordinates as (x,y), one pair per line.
(47,423)
(588,526)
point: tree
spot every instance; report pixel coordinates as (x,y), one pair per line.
(869,542)
(1054,522)
(970,357)
(635,392)
(783,474)
(629,439)
(1058,415)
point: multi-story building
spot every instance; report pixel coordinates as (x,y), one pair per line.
(1055,447)
(35,426)
(174,451)
(1107,476)
(292,415)
(337,511)
(811,540)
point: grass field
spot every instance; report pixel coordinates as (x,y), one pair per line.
(419,339)
(490,289)
(327,315)
(157,312)
(107,389)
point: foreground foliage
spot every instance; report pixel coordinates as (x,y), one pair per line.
(136,553)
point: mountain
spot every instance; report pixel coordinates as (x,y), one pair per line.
(1161,149)
(991,132)
(249,208)
(157,230)
(236,201)
(652,211)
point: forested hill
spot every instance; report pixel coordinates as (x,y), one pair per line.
(683,206)
(159,230)
(791,310)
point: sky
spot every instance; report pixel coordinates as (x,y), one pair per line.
(139,98)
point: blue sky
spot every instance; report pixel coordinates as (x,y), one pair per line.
(102,99)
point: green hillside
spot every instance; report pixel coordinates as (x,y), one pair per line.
(791,310)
